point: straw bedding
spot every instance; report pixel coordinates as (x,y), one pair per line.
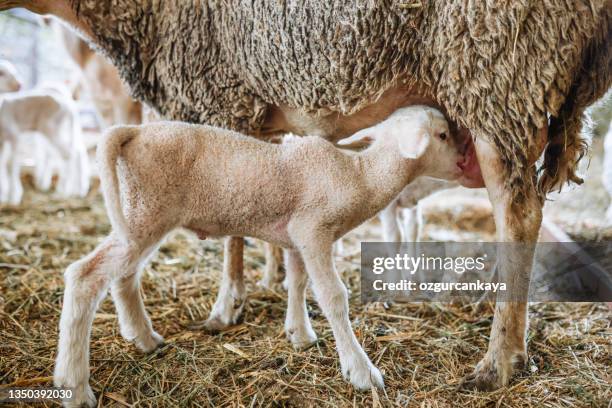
(423,349)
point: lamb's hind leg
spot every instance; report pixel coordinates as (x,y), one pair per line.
(86,284)
(332,296)
(231,298)
(134,322)
(518,224)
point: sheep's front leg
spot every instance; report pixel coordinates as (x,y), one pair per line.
(297,323)
(333,299)
(518,224)
(231,298)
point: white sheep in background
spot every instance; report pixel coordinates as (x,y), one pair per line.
(301,195)
(9,79)
(607,171)
(46,120)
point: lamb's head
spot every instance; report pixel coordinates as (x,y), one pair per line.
(9,80)
(419,133)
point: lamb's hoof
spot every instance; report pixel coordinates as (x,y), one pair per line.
(491,374)
(362,374)
(301,338)
(149,343)
(82,396)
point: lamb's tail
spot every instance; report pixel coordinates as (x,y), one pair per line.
(109,149)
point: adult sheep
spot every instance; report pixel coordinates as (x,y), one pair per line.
(518,76)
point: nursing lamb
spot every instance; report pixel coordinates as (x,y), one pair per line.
(301,195)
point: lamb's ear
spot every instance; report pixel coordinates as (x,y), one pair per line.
(362,138)
(414,147)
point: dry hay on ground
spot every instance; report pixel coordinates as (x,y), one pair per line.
(423,349)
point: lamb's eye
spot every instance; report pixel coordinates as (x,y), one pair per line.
(443,136)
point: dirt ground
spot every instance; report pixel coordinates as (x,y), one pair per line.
(423,349)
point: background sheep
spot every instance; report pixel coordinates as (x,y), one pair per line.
(48,122)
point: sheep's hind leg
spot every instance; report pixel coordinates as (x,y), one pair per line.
(297,323)
(518,225)
(232,295)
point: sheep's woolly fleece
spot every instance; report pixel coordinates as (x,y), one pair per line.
(499,70)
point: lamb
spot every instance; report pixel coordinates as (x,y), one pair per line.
(9,79)
(47,120)
(302,196)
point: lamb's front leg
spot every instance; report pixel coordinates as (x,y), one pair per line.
(297,323)
(518,224)
(231,298)
(332,296)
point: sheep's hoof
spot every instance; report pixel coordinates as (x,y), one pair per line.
(491,373)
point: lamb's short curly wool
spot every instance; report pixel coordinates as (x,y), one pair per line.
(499,70)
